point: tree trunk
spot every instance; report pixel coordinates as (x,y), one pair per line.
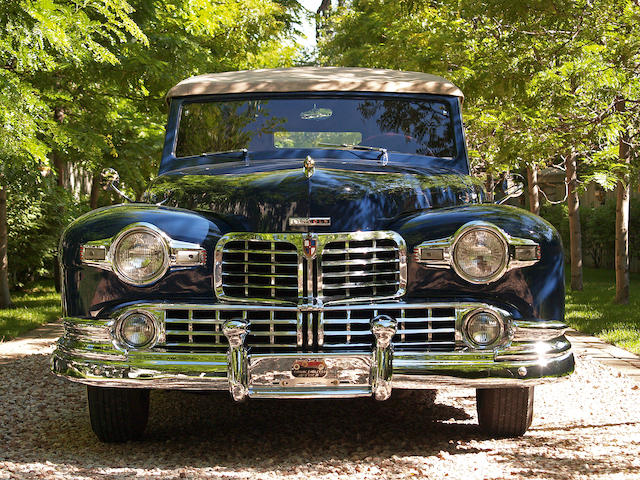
(95,191)
(59,164)
(622,223)
(534,190)
(321,14)
(60,167)
(323,9)
(5,296)
(574,223)
(490,186)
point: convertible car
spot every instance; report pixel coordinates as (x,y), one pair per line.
(312,233)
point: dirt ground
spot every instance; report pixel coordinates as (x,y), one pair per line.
(585,427)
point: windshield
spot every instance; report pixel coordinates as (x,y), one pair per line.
(422,127)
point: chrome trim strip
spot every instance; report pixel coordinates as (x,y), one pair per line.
(439,253)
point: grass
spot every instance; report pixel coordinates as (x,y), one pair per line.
(35,305)
(593,310)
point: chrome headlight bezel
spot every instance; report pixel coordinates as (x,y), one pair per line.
(132,230)
(517,252)
(119,338)
(501,338)
(176,254)
(504,250)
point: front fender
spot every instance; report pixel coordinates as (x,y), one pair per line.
(88,290)
(534,292)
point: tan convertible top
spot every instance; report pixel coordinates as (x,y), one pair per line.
(314,79)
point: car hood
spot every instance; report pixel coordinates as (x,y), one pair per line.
(355,195)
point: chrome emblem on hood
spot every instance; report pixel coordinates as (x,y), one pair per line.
(309,221)
(309,166)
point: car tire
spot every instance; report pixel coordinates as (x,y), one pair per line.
(118,414)
(505,412)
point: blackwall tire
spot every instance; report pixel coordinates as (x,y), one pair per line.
(118,414)
(505,412)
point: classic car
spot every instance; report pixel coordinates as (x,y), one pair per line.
(312,233)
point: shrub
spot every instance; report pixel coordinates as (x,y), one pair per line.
(36,217)
(598,226)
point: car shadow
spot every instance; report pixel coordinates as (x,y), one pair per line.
(201,430)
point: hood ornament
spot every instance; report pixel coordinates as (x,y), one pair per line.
(309,166)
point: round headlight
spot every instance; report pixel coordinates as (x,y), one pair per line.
(483,329)
(140,256)
(137,330)
(480,255)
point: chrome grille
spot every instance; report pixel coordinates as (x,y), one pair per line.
(201,329)
(283,268)
(276,329)
(419,327)
(362,268)
(260,269)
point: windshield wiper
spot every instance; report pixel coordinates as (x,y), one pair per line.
(383,157)
(243,151)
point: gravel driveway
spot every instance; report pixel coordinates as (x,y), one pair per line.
(585,427)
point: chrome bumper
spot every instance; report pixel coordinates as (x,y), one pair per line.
(538,353)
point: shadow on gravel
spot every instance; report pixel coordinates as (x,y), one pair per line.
(564,458)
(48,422)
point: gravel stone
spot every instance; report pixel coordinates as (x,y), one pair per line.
(585,427)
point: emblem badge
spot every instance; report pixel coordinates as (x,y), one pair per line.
(309,166)
(309,221)
(309,368)
(310,245)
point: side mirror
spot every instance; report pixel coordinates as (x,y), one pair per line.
(110,179)
(512,186)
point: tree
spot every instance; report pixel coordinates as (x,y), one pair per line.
(541,78)
(83,85)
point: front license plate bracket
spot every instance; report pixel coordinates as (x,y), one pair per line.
(270,374)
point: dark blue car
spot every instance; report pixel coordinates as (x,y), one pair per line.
(312,233)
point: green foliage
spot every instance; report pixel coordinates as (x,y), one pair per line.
(593,311)
(598,230)
(542,79)
(36,221)
(36,305)
(83,82)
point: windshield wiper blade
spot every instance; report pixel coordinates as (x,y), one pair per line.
(383,157)
(243,151)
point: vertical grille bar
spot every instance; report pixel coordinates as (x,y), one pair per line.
(246,269)
(272,338)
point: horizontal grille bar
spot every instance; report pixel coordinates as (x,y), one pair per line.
(367,250)
(286,329)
